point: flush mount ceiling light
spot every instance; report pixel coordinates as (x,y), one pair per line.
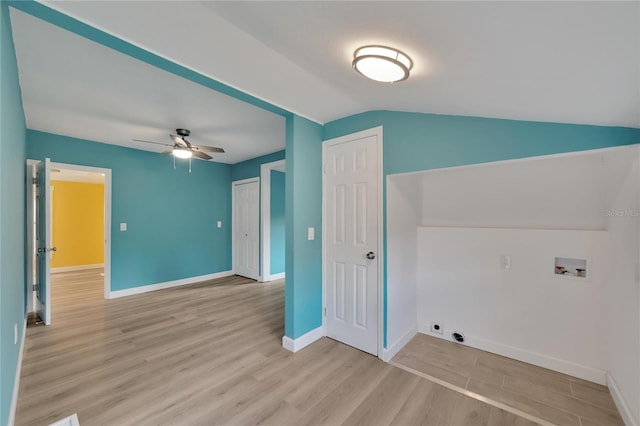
(181,153)
(381,63)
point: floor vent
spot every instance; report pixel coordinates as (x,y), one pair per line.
(67,421)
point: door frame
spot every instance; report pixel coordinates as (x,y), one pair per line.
(233,221)
(265,220)
(375,131)
(107,222)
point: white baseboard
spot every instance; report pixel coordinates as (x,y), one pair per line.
(16,381)
(278,276)
(567,367)
(294,345)
(391,351)
(621,403)
(160,286)
(77,268)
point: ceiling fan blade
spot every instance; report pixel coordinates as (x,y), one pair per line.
(209,149)
(167,151)
(178,140)
(155,143)
(201,155)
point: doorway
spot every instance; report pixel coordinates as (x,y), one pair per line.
(272,194)
(246,223)
(352,239)
(84,193)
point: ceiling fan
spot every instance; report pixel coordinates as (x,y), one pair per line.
(182,148)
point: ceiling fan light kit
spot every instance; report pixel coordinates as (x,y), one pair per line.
(382,63)
(183,149)
(181,153)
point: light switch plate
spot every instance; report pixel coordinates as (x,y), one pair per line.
(219,224)
(123,227)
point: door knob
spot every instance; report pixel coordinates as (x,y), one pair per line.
(371,255)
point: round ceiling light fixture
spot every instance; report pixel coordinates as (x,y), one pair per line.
(381,63)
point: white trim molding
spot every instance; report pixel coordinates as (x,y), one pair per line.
(16,381)
(168,284)
(294,345)
(77,267)
(278,276)
(556,364)
(621,403)
(391,351)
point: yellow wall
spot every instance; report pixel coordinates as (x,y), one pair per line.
(78,223)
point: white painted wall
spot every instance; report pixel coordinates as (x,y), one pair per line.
(578,191)
(623,295)
(558,192)
(526,312)
(403,205)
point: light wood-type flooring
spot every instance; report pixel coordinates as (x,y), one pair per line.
(211,354)
(545,394)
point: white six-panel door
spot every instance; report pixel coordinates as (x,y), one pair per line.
(246,211)
(351,184)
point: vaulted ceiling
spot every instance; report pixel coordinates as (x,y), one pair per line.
(572,62)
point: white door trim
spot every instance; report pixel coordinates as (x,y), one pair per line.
(233,221)
(265,217)
(107,216)
(375,131)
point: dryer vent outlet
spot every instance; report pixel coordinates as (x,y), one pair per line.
(436,328)
(458,337)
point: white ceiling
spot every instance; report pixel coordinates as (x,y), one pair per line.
(573,62)
(75,87)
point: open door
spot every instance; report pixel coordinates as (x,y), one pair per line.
(43,241)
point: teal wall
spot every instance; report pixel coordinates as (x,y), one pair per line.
(303,287)
(12,214)
(251,168)
(415,141)
(277,214)
(170,214)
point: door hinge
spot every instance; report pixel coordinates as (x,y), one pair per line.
(34,181)
(34,287)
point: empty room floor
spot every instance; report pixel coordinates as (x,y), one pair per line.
(545,394)
(211,353)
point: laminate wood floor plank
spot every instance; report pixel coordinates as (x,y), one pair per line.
(548,395)
(211,353)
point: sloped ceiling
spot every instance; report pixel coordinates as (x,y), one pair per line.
(572,62)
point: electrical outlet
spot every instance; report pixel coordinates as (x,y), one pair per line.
(436,328)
